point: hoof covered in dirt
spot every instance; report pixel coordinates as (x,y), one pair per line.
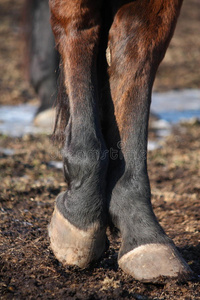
(148,262)
(73,246)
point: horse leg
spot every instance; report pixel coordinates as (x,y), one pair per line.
(78,225)
(138,39)
(44,59)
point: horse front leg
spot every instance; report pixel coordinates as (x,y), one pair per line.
(77,228)
(138,40)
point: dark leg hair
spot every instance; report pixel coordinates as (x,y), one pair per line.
(84,166)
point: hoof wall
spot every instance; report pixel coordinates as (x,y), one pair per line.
(73,246)
(148,262)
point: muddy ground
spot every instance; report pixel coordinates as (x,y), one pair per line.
(29,184)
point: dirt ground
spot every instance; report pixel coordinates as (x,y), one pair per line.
(29,184)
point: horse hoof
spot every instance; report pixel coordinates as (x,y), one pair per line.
(148,262)
(45,119)
(73,246)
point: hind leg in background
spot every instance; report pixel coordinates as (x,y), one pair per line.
(138,39)
(78,225)
(44,58)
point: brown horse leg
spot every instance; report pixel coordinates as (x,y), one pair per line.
(138,39)
(77,229)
